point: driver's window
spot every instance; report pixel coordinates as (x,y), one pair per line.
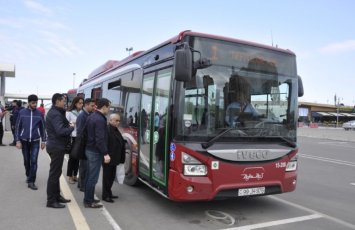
(279,96)
(194,105)
(272,106)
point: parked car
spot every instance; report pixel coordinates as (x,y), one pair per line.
(350,125)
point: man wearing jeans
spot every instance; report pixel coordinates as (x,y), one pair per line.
(96,150)
(89,107)
(30,128)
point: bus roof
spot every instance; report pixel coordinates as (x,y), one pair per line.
(114,64)
(72,91)
(190,33)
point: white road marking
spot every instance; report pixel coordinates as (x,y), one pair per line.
(336,220)
(277,222)
(352,183)
(337,143)
(74,209)
(330,160)
(109,218)
(332,142)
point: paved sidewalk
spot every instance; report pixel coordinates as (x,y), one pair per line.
(22,208)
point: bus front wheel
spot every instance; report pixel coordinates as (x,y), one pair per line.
(130,178)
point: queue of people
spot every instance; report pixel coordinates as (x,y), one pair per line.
(56,132)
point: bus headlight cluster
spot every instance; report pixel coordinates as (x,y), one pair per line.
(292,165)
(192,166)
(195,170)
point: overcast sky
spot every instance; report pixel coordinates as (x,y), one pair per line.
(49,41)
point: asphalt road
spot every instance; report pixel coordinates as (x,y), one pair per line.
(324,199)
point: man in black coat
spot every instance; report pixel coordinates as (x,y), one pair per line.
(116,150)
(58,131)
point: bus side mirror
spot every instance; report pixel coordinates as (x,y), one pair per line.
(183,64)
(300,87)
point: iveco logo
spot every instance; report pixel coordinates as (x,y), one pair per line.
(245,155)
(252,154)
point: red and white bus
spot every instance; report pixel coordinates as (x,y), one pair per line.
(206,116)
(70,96)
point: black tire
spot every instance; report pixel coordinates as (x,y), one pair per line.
(130,178)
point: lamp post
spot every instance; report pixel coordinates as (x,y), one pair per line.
(337,113)
(129,50)
(73,80)
(338,106)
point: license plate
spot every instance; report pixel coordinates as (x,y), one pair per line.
(251,191)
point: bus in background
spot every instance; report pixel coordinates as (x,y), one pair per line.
(70,96)
(205,116)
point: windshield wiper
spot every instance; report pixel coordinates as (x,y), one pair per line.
(214,139)
(290,143)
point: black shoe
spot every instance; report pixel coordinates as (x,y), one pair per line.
(96,201)
(93,205)
(32,186)
(2,145)
(108,199)
(63,200)
(12,144)
(114,197)
(55,205)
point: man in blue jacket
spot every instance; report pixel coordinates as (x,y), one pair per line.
(96,149)
(30,128)
(58,131)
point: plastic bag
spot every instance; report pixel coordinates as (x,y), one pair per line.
(120,173)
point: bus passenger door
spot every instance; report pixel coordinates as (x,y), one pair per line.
(153,128)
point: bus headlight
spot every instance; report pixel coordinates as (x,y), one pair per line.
(187,159)
(292,165)
(192,166)
(195,170)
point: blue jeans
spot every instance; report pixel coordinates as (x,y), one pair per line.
(94,161)
(30,155)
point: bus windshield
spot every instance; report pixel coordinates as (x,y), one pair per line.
(250,91)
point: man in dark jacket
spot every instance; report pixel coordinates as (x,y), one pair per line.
(116,150)
(30,128)
(89,107)
(96,149)
(3,112)
(58,130)
(13,119)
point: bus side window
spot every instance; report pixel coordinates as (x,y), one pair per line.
(131,85)
(81,95)
(96,93)
(114,94)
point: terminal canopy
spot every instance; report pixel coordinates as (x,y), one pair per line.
(7,70)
